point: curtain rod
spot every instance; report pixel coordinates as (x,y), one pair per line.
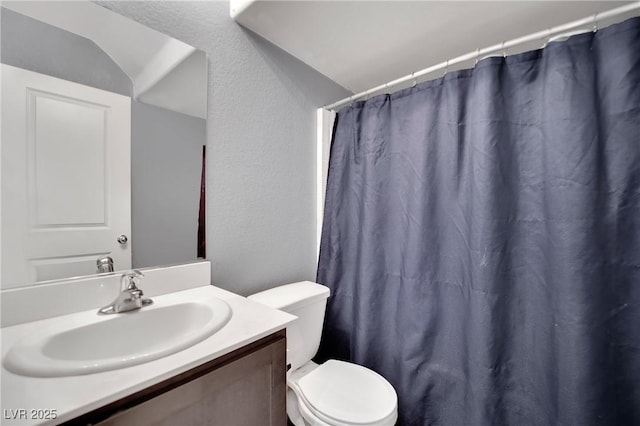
(548,33)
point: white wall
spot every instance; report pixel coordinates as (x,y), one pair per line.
(166,169)
(33,45)
(260,145)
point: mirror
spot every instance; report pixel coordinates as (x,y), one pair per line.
(103,135)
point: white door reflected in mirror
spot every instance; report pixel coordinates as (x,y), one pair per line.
(66,178)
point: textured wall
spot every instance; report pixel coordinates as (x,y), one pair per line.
(260,145)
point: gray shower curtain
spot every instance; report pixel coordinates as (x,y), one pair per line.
(481,238)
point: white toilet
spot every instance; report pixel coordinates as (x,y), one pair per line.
(335,393)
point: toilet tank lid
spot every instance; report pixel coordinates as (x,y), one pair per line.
(291,296)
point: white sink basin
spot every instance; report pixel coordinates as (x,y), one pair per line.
(87,343)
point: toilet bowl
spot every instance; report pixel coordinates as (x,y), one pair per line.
(335,393)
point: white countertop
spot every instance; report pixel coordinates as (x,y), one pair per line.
(75,395)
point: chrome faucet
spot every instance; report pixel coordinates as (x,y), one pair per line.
(104,264)
(130,297)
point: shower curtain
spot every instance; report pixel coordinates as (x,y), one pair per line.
(481,238)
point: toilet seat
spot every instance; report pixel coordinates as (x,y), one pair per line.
(343,394)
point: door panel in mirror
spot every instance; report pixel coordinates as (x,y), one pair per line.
(65,177)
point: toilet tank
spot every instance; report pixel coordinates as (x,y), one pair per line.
(307,301)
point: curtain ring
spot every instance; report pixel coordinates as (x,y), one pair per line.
(446,68)
(352,98)
(415,80)
(477,56)
(548,40)
(595,22)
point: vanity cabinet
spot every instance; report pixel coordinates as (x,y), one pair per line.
(245,387)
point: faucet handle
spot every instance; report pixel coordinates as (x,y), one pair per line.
(134,273)
(128,280)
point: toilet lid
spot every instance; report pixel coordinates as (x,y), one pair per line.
(348,393)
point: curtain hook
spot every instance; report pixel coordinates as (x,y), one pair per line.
(477,56)
(504,49)
(595,22)
(415,80)
(352,99)
(446,68)
(548,38)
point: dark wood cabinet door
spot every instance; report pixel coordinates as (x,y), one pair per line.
(247,388)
